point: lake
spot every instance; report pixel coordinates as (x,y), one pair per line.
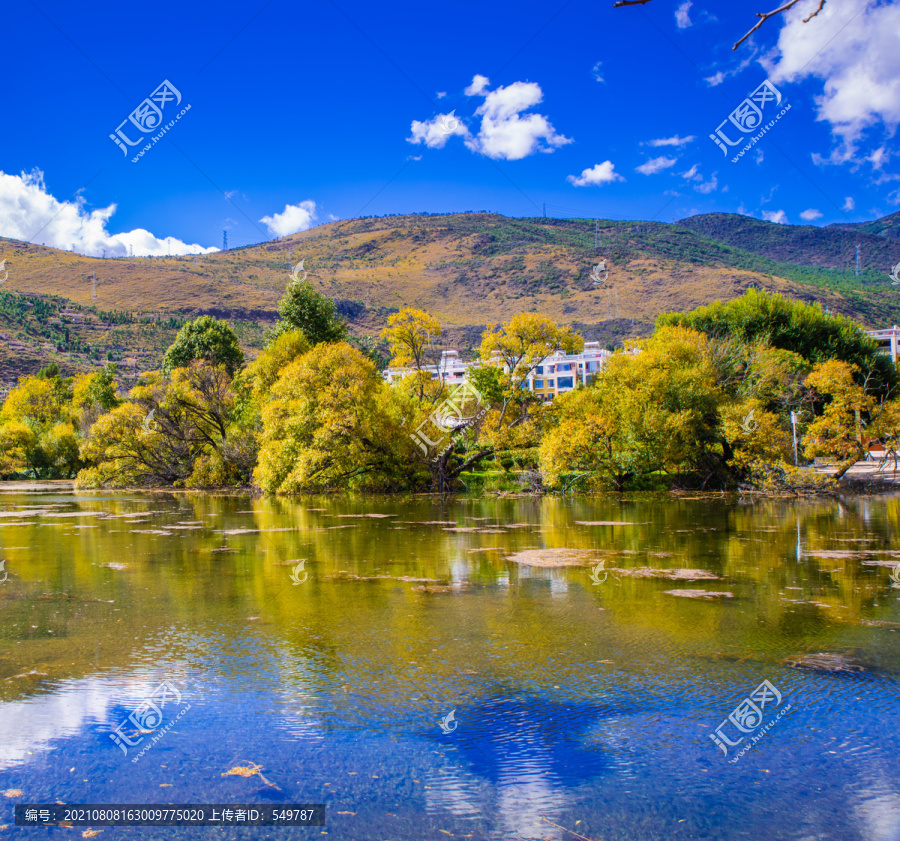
(411,665)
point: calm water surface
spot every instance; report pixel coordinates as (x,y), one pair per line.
(582,698)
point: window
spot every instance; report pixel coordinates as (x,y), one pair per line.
(538,383)
(565,382)
(539,369)
(549,383)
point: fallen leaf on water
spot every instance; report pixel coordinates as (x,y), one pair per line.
(12,792)
(248,770)
(346,813)
(165,785)
(447,833)
(90,833)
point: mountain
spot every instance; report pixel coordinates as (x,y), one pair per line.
(467,269)
(833,246)
(887,226)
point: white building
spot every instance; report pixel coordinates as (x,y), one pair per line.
(556,374)
(888,341)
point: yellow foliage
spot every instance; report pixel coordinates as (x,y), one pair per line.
(411,334)
(35,401)
(325,426)
(838,431)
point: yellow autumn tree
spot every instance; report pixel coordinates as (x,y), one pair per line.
(328,425)
(837,432)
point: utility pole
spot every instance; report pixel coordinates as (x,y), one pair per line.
(794,429)
(545,210)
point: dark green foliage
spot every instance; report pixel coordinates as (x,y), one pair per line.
(303,308)
(102,390)
(205,338)
(761,317)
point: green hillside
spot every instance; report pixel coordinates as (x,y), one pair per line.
(467,269)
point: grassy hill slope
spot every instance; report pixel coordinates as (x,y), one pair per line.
(468,270)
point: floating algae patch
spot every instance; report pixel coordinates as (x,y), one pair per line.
(699,594)
(375,516)
(553,557)
(673,574)
(827,663)
(605,523)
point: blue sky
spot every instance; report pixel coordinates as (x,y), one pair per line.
(303,113)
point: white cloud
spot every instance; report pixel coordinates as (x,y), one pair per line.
(655,165)
(675,140)
(849,204)
(596,175)
(505,133)
(441,94)
(706,187)
(860,69)
(681,14)
(693,174)
(811,215)
(31,214)
(879,157)
(294,218)
(720,76)
(479,83)
(596,71)
(435,133)
(777,216)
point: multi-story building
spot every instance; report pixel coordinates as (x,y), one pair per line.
(888,341)
(556,374)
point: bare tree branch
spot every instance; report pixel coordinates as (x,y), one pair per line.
(763,16)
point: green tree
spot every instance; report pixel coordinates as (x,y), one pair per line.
(303,308)
(760,317)
(205,338)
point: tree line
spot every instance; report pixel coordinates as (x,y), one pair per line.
(705,402)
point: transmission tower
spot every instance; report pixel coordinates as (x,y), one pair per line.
(93,284)
(596,233)
(857,261)
(224,240)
